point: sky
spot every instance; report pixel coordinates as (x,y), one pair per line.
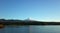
(43,10)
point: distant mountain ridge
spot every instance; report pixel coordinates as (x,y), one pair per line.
(26,22)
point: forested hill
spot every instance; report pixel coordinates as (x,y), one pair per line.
(23,22)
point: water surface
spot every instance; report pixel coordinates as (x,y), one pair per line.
(31,29)
(15,29)
(45,29)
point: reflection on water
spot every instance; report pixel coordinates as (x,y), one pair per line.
(31,29)
(45,29)
(16,29)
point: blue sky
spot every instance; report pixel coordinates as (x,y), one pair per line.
(46,10)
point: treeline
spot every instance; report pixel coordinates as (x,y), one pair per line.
(22,22)
(30,23)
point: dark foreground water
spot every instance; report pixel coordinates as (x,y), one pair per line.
(15,29)
(31,29)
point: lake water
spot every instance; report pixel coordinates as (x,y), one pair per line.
(31,29)
(45,29)
(15,29)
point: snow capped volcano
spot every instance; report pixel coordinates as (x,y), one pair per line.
(29,19)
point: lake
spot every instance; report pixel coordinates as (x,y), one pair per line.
(15,29)
(45,29)
(31,29)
